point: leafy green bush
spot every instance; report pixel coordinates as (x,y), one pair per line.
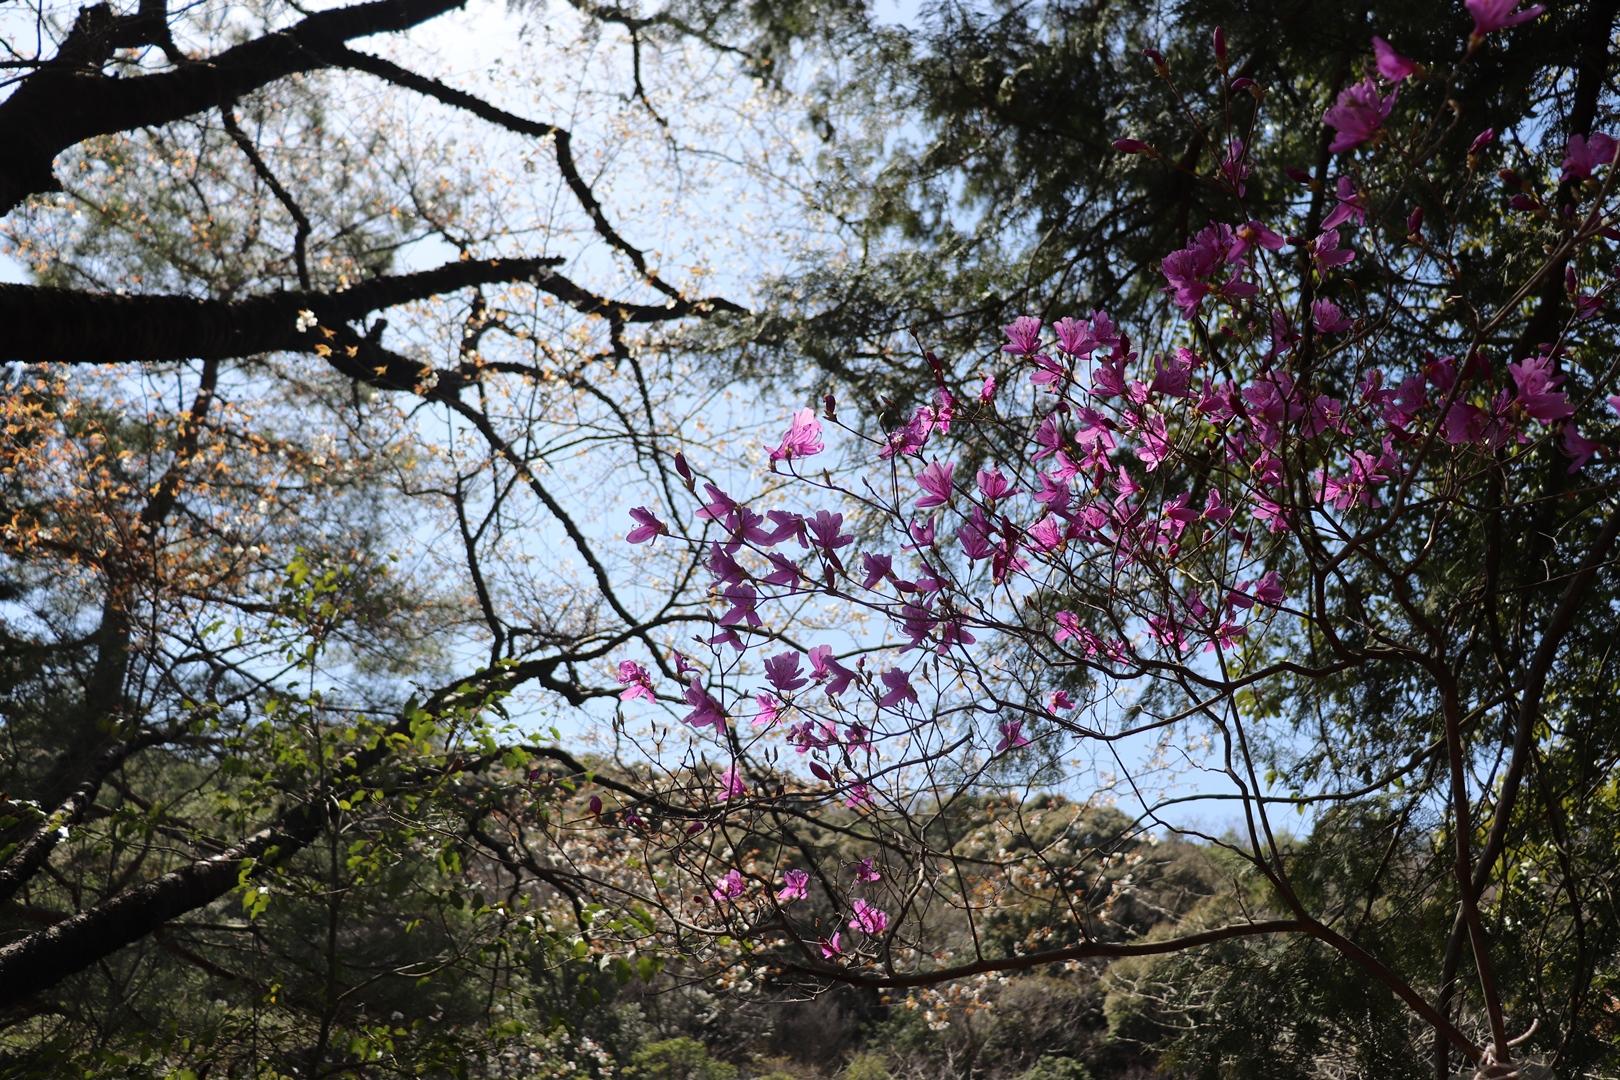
(679,1059)
(867,1066)
(1057,1068)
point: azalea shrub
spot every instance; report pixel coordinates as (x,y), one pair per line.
(1322,547)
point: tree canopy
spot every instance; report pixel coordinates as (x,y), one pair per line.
(1169,637)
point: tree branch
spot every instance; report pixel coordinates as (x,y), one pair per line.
(49,325)
(70,99)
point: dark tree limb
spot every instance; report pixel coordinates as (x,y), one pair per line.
(70,99)
(49,325)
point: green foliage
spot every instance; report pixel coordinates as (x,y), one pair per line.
(679,1059)
(1057,1068)
(867,1066)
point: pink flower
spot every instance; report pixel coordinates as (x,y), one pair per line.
(1096,430)
(935,480)
(1047,533)
(1328,318)
(1352,205)
(1355,487)
(795,886)
(720,507)
(921,533)
(1464,423)
(898,689)
(830,947)
(823,668)
(783,571)
(916,621)
(1171,376)
(1234,169)
(1225,637)
(987,392)
(867,871)
(1579,448)
(1048,437)
(1049,375)
(1191,269)
(1538,389)
(1023,336)
(789,526)
(726,570)
(875,568)
(944,411)
(731,785)
(1255,234)
(647,526)
(825,530)
(993,485)
(1327,253)
(769,714)
(803,437)
(1492,15)
(1391,64)
(1357,115)
(868,919)
(635,680)
(1108,377)
(1059,701)
(911,438)
(1074,336)
(977,536)
(1585,153)
(729,887)
(1269,590)
(706,712)
(1156,444)
(1068,626)
(1275,516)
(743,599)
(782,672)
(1012,736)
